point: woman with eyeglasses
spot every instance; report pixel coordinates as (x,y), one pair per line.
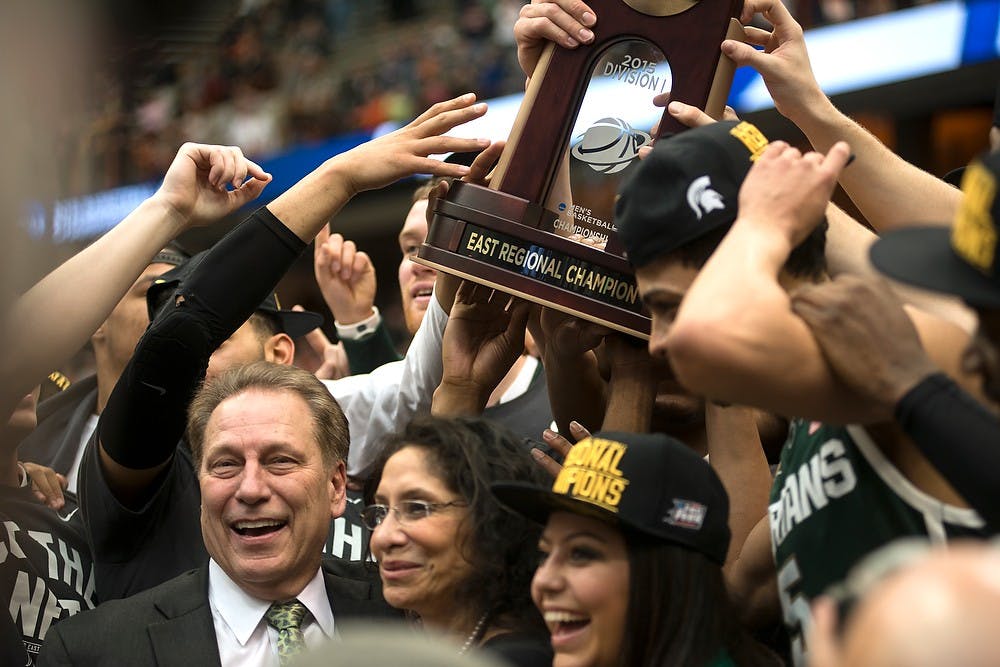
(448,552)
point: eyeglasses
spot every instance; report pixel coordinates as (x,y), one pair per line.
(406,511)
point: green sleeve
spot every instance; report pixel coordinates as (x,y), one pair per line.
(367,354)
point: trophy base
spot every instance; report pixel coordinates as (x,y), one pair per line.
(500,240)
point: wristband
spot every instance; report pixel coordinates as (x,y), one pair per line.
(359,330)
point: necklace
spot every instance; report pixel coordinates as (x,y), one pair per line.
(477,634)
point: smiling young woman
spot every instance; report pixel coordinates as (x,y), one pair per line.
(448,552)
(636,532)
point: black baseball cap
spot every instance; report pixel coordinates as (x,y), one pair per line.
(960,260)
(685,188)
(293,322)
(651,484)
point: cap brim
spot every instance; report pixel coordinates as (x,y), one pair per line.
(954,177)
(923,257)
(537,503)
(295,323)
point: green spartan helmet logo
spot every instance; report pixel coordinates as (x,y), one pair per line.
(609,145)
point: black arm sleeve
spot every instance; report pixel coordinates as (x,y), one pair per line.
(960,438)
(146,412)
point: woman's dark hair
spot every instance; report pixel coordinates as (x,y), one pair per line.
(679,612)
(469,454)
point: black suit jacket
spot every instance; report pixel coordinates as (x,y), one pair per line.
(171,625)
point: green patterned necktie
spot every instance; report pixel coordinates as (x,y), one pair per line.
(286,617)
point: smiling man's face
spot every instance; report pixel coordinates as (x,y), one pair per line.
(267,495)
(415,280)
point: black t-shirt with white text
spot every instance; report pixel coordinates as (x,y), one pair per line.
(46,570)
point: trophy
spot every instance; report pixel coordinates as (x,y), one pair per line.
(543,230)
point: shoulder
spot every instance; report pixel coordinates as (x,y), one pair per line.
(354,589)
(176,596)
(355,580)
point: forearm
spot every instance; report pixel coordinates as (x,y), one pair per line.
(736,339)
(735,452)
(631,394)
(146,412)
(312,202)
(72,301)
(959,437)
(576,391)
(727,308)
(848,244)
(459,400)
(387,399)
(889,191)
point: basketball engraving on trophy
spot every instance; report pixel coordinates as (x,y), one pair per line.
(610,145)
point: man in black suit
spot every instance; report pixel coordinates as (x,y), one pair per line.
(268,443)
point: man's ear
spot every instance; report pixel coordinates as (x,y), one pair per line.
(280,349)
(338,490)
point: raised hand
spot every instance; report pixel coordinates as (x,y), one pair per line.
(483,339)
(560,445)
(328,359)
(205,183)
(568,23)
(346,277)
(784,62)
(567,338)
(789,191)
(686,114)
(405,152)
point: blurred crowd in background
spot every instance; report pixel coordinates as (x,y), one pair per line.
(283,73)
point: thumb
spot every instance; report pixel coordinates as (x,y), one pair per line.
(247,192)
(322,236)
(744,54)
(838,157)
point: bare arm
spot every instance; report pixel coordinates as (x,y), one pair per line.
(848,244)
(72,301)
(735,338)
(576,388)
(735,452)
(888,190)
(294,218)
(632,386)
(752,580)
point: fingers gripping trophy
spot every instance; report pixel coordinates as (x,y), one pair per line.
(544,228)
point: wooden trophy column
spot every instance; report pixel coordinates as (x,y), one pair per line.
(501,236)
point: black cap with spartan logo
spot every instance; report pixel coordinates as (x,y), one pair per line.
(648,483)
(962,260)
(685,188)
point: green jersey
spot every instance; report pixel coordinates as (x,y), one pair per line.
(835,499)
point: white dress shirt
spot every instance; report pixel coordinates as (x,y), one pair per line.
(386,399)
(243,634)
